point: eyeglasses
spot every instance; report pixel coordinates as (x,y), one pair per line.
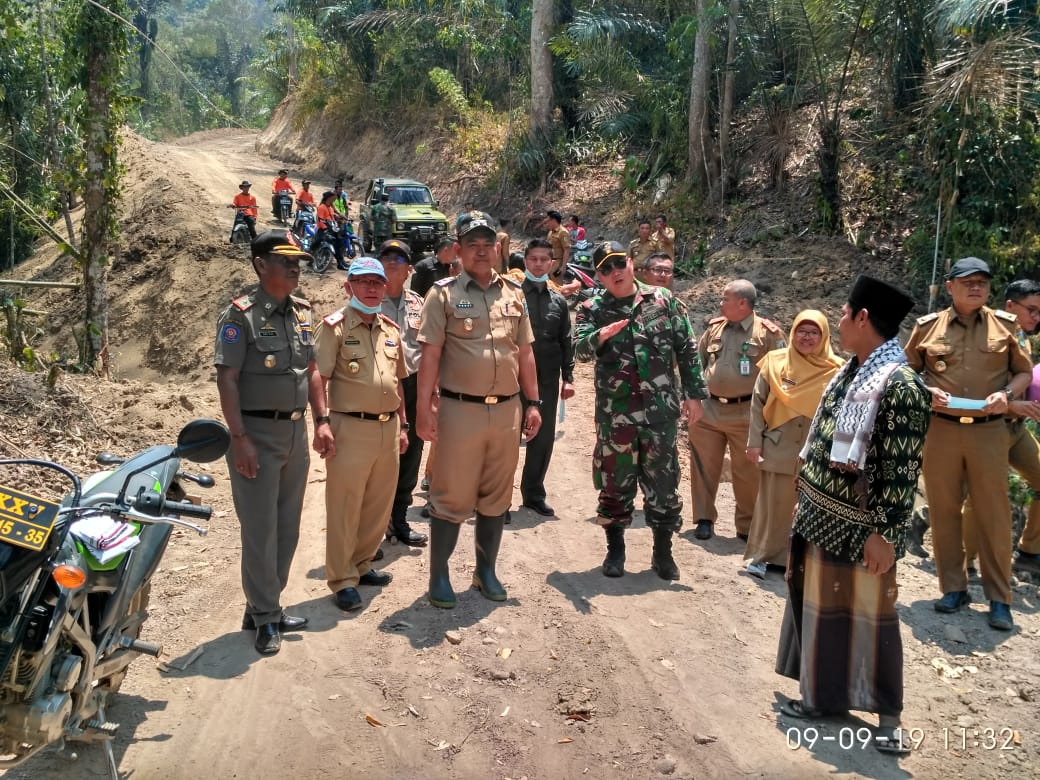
(660,270)
(808,334)
(612,264)
(369,281)
(1032,311)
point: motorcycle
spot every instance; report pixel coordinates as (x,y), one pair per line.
(351,243)
(76,578)
(305,225)
(239,228)
(283,203)
(323,248)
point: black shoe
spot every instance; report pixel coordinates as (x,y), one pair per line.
(403,533)
(662,562)
(614,563)
(704,530)
(508,518)
(742,537)
(287,623)
(342,267)
(268,640)
(539,506)
(1000,616)
(373,577)
(425,511)
(347,599)
(952,602)
(379,554)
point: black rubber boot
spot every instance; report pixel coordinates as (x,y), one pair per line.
(614,563)
(662,562)
(487,539)
(443,537)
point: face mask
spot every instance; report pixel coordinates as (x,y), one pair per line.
(363,308)
(540,279)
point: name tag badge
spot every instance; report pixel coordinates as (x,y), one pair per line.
(351,342)
(745,366)
(268,330)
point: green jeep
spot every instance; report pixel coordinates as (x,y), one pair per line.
(416,218)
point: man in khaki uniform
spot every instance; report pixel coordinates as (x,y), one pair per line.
(969,351)
(663,236)
(361,361)
(730,349)
(642,246)
(266,374)
(477,338)
(561,244)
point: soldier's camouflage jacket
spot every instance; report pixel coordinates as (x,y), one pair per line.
(635,370)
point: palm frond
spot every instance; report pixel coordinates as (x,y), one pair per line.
(591,28)
(994,70)
(952,15)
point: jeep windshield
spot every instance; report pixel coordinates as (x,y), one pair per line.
(410,196)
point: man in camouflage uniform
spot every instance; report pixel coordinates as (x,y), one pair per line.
(637,335)
(382,219)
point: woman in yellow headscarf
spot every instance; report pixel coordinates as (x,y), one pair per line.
(788,390)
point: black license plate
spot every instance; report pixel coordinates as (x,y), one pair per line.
(25,520)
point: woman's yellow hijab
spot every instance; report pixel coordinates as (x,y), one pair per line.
(797,381)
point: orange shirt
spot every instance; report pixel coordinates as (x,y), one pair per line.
(305,196)
(326,216)
(282,184)
(248,201)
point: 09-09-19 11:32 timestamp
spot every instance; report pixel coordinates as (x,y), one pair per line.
(955,738)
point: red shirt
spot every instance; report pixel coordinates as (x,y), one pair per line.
(326,217)
(282,184)
(305,196)
(248,201)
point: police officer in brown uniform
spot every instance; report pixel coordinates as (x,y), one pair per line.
(477,338)
(361,362)
(970,351)
(642,246)
(404,307)
(265,377)
(561,244)
(730,349)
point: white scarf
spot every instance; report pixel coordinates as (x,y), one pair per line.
(854,420)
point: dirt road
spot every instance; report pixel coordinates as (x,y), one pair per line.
(575,675)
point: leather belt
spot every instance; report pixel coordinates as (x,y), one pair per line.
(274,414)
(723,400)
(489,400)
(380,417)
(969,420)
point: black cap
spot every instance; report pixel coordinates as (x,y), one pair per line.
(474,220)
(884,301)
(967,266)
(245,183)
(398,246)
(277,242)
(283,171)
(305,181)
(605,251)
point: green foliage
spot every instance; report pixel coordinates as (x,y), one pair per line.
(451,94)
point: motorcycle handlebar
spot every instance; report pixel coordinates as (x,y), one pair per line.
(188,509)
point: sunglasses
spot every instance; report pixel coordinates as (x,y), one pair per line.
(612,262)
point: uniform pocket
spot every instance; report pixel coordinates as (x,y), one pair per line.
(466,324)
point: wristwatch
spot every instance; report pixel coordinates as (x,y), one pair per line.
(1009,394)
(536,402)
(322,419)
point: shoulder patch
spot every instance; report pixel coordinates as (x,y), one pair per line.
(334,318)
(389,321)
(716,320)
(1006,315)
(771,326)
(447,280)
(413,295)
(300,301)
(243,302)
(927,318)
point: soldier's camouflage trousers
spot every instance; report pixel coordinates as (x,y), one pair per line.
(627,456)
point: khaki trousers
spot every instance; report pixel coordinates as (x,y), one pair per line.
(478,446)
(1023,457)
(359,493)
(722,425)
(977,454)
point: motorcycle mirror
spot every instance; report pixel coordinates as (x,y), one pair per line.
(203,441)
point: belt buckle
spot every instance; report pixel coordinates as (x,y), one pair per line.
(723,400)
(384,416)
(490,400)
(296,415)
(966,420)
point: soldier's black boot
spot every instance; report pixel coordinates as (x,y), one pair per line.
(443,537)
(662,562)
(487,539)
(402,532)
(614,563)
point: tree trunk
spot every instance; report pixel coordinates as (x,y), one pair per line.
(725,153)
(105,45)
(828,157)
(54,156)
(541,72)
(702,172)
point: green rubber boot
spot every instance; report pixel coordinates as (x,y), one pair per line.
(443,537)
(487,540)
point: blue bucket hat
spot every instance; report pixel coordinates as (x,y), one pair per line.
(366,266)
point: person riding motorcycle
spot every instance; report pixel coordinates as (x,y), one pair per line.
(281,183)
(243,200)
(327,219)
(305,197)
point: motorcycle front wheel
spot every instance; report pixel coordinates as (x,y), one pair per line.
(323,258)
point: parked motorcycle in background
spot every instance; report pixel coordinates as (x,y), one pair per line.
(76,579)
(283,203)
(239,228)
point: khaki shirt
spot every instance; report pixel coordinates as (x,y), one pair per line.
(406,314)
(724,344)
(640,250)
(271,343)
(502,237)
(968,358)
(479,331)
(362,362)
(561,247)
(664,241)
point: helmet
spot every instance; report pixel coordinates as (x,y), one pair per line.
(604,250)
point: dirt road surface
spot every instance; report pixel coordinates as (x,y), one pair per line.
(576,675)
